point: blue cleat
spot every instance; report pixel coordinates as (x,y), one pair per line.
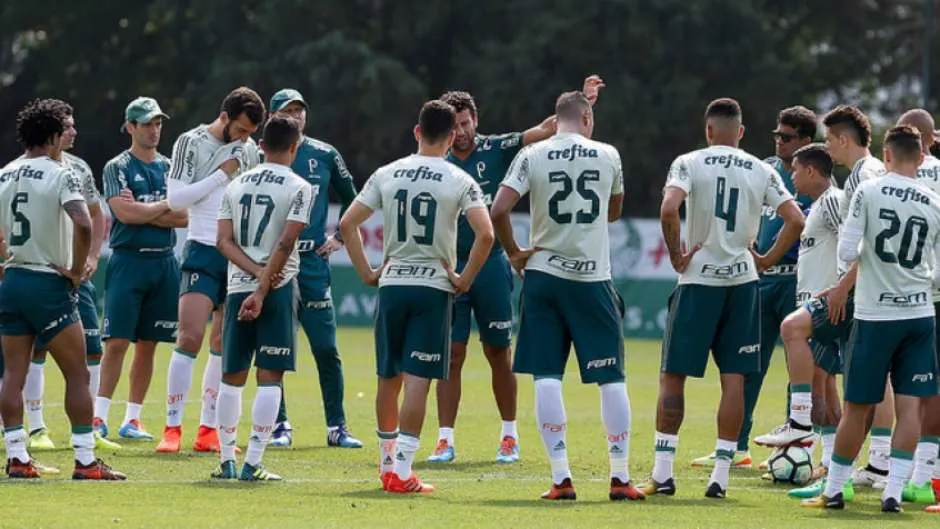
(100,427)
(283,436)
(508,450)
(133,430)
(341,437)
(225,470)
(257,473)
(443,453)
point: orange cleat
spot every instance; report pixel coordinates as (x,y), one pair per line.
(170,444)
(17,469)
(207,439)
(384,477)
(561,491)
(624,491)
(936,487)
(97,471)
(412,485)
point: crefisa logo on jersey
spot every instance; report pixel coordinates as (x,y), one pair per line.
(24,171)
(729,160)
(932,173)
(577,266)
(905,194)
(726,271)
(896,299)
(575,151)
(421,173)
(265,176)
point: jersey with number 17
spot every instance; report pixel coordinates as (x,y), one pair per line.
(726,189)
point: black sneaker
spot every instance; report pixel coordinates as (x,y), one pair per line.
(890,505)
(715,491)
(651,487)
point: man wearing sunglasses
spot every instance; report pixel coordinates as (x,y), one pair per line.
(796,127)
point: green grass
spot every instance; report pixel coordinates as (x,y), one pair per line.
(328,487)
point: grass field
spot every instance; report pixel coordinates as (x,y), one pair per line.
(328,487)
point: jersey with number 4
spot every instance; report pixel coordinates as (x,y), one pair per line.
(570,179)
(819,244)
(726,189)
(37,229)
(260,203)
(421,198)
(899,221)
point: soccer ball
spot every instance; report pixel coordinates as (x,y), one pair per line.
(791,464)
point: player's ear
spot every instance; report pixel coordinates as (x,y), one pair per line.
(740,132)
(223,117)
(450,137)
(417,132)
(920,159)
(886,155)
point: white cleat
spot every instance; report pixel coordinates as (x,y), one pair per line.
(863,477)
(786,435)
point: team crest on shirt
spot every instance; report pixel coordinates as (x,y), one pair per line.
(312,166)
(481,166)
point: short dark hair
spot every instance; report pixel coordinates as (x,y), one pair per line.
(38,122)
(725,108)
(801,119)
(460,101)
(904,143)
(280,132)
(244,100)
(935,148)
(571,105)
(850,118)
(816,155)
(437,120)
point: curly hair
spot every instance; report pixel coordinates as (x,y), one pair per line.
(460,101)
(39,122)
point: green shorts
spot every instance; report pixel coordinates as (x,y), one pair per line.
(556,313)
(723,320)
(141,296)
(412,331)
(901,349)
(39,304)
(88,313)
(829,341)
(271,335)
(490,300)
(204,270)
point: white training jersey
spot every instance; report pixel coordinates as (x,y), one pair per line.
(819,247)
(260,203)
(38,231)
(196,155)
(421,198)
(726,190)
(864,169)
(929,174)
(899,222)
(83,171)
(571,179)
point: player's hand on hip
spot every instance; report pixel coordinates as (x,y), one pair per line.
(592,87)
(837,298)
(681,262)
(329,247)
(251,307)
(74,276)
(760,261)
(460,283)
(372,279)
(91,266)
(519,259)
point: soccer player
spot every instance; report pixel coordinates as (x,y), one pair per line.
(796,128)
(848,137)
(421,197)
(143,274)
(203,162)
(814,364)
(715,305)
(898,219)
(272,205)
(87,298)
(43,205)
(486,158)
(567,294)
(321,165)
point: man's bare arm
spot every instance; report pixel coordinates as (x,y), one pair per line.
(285,245)
(225,242)
(77,210)
(172,219)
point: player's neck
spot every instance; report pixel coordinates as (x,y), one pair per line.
(432,150)
(907,171)
(143,154)
(720,142)
(217,129)
(277,158)
(462,155)
(568,128)
(39,152)
(818,191)
(856,154)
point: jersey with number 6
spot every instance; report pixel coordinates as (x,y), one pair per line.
(819,243)
(726,189)
(37,229)
(260,203)
(421,198)
(571,179)
(898,219)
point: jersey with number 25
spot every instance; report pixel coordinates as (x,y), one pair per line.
(726,189)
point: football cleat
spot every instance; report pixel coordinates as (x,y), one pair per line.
(666,488)
(225,470)
(742,460)
(822,502)
(624,491)
(341,437)
(560,491)
(933,509)
(412,485)
(17,469)
(714,490)
(818,487)
(45,470)
(207,439)
(103,444)
(283,436)
(39,440)
(764,465)
(100,427)
(97,471)
(443,453)
(935,483)
(890,505)
(508,450)
(133,430)
(170,444)
(257,473)
(923,495)
(869,477)
(384,477)
(789,433)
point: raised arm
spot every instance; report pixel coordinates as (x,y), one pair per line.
(182,191)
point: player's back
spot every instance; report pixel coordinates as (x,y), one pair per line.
(726,190)
(36,227)
(260,202)
(570,179)
(818,252)
(929,173)
(421,198)
(902,225)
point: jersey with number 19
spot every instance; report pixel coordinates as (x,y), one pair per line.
(567,294)
(421,198)
(34,299)
(716,304)
(260,203)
